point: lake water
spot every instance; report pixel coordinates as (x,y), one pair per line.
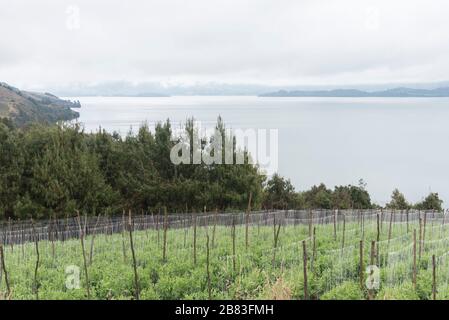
(389,142)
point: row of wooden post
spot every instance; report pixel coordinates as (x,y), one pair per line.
(35,279)
(312,233)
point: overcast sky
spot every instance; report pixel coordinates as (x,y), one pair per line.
(47,43)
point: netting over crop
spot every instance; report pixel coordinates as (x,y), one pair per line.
(309,254)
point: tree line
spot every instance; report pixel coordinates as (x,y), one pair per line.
(280,194)
(54,170)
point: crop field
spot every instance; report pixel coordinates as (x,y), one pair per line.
(369,254)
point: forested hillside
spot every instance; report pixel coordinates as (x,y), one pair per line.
(23,107)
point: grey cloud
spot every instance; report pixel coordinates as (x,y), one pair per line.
(292,42)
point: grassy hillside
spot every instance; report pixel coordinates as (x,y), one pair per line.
(23,107)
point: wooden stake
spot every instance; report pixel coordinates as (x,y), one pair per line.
(361,264)
(215,225)
(4,233)
(209,290)
(343,236)
(381,218)
(36,244)
(373,252)
(424,229)
(233,244)
(123,236)
(372,256)
(52,238)
(389,227)
(22,240)
(157,226)
(362,217)
(304,255)
(136,276)
(310,223)
(164,253)
(378,228)
(313,248)
(81,234)
(407,219)
(335,224)
(358,216)
(247,220)
(377,254)
(11,242)
(91,254)
(2,257)
(194,238)
(434,283)
(276,238)
(420,239)
(414,258)
(185,231)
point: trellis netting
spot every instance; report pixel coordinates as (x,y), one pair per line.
(333,246)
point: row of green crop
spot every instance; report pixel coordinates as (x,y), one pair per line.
(254,272)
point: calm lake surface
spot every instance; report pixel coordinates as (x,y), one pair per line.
(389,142)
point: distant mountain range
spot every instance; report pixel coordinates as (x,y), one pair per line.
(158,89)
(23,107)
(396,92)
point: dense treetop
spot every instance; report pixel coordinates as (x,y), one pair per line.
(53,170)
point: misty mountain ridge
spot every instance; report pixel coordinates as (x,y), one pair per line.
(395,92)
(124,88)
